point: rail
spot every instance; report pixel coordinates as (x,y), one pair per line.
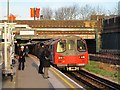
(93,81)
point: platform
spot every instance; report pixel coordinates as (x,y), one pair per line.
(29,77)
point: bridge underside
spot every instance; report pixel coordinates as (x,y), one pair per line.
(57,34)
(48,33)
(90,40)
(52,36)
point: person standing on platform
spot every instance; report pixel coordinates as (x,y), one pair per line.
(21,58)
(41,58)
(17,49)
(46,54)
(26,51)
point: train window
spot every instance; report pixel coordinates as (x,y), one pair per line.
(61,46)
(70,44)
(81,46)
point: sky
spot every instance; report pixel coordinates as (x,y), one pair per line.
(21,8)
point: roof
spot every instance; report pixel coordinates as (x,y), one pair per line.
(58,23)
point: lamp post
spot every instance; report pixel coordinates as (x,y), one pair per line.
(8,10)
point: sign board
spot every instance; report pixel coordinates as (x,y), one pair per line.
(26,32)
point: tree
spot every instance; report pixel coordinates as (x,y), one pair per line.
(59,14)
(47,13)
(75,12)
(66,13)
(98,10)
(85,12)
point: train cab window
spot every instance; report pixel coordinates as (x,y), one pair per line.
(61,46)
(70,44)
(81,46)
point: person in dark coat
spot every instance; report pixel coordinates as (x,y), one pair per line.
(46,55)
(26,51)
(41,58)
(21,58)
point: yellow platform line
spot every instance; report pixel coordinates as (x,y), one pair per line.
(69,84)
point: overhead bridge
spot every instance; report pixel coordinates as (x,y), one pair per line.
(46,29)
(55,33)
(56,28)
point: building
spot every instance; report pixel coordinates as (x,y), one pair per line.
(110,36)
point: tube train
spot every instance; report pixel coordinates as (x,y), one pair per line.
(67,53)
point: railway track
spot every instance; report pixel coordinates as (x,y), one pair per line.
(93,81)
(106,58)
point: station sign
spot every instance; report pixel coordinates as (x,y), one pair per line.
(26,32)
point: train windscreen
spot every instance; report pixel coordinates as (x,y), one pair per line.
(70,44)
(61,46)
(81,46)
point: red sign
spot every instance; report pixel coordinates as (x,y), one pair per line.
(12,17)
(32,12)
(35,12)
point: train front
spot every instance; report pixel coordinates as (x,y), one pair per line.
(71,54)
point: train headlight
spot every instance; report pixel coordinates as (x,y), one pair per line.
(82,57)
(60,57)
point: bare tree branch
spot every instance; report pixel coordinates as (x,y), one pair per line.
(85,12)
(47,13)
(66,13)
(75,13)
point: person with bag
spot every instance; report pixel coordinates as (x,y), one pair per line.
(46,55)
(21,58)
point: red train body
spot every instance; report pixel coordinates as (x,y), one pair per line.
(69,53)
